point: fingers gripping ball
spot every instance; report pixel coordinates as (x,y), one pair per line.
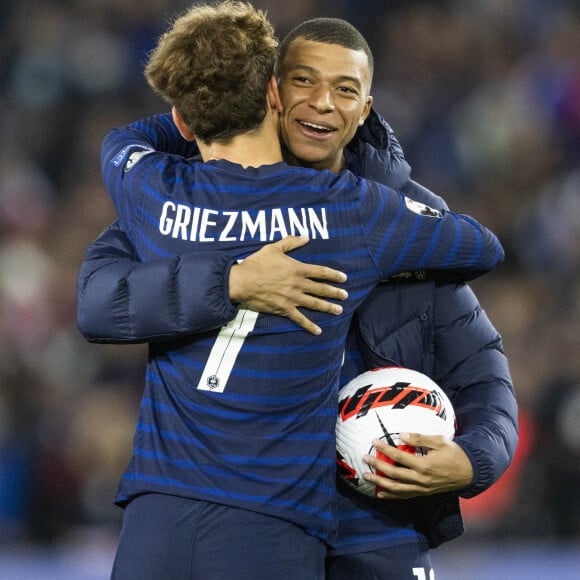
(381,404)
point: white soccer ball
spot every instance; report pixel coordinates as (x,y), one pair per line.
(380,404)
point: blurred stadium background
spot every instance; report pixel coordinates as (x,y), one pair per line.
(484,96)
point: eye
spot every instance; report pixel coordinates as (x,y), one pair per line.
(302,80)
(348,90)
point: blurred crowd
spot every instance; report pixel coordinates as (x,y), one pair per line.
(484,96)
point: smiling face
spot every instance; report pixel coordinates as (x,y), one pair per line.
(324,90)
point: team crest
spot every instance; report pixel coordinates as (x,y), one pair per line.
(213,382)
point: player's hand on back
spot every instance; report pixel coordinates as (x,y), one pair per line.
(269,281)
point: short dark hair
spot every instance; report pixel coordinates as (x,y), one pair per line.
(328,31)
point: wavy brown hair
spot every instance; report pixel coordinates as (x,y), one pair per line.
(213,65)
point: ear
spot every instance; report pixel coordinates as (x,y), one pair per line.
(274,95)
(181,125)
(366,111)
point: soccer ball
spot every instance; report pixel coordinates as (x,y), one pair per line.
(380,404)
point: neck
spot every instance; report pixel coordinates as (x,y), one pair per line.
(252,149)
(244,151)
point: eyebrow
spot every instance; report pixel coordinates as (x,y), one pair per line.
(341,78)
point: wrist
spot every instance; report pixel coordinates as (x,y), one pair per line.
(235,284)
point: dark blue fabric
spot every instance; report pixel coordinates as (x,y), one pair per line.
(438,329)
(221,412)
(172,538)
(149,300)
(406,561)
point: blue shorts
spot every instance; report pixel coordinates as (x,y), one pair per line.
(404,562)
(168,537)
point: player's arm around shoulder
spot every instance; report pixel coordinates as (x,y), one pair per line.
(154,133)
(421,237)
(123,300)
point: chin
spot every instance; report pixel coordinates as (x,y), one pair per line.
(310,157)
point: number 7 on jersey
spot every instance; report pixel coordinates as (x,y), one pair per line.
(225,350)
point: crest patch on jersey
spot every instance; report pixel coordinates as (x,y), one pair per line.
(422,209)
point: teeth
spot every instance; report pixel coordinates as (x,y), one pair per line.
(314,126)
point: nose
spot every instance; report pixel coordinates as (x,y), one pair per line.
(321,99)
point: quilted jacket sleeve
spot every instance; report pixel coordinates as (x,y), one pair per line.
(470,364)
(123,300)
(442,331)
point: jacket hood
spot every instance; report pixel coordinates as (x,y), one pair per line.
(379,153)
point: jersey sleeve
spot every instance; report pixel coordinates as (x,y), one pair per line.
(404,234)
(123,300)
(141,142)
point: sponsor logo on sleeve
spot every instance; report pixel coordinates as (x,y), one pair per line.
(133,158)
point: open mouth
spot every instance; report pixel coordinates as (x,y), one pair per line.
(316,128)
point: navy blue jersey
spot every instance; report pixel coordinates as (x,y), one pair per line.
(245,415)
